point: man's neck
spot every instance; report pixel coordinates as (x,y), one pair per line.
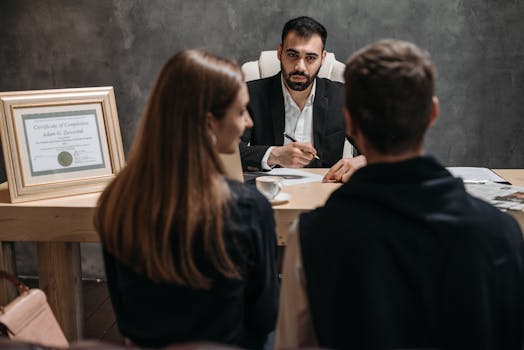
(374,157)
(300,97)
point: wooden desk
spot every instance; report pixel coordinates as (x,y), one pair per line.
(312,195)
(59,225)
(304,197)
(515,176)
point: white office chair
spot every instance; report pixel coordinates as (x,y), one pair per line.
(269,65)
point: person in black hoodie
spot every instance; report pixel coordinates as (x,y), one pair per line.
(413,260)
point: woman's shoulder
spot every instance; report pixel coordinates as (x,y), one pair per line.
(247,196)
(251,218)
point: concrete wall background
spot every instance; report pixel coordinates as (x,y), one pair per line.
(478,48)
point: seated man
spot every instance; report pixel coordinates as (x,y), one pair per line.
(296,103)
(413,260)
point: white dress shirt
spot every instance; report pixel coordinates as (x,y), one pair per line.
(298,123)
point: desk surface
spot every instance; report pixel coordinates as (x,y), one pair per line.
(304,196)
(83,200)
(514,176)
(65,219)
(69,219)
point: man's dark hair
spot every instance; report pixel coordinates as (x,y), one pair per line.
(389,90)
(305,27)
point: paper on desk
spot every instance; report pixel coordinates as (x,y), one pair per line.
(474,174)
(501,196)
(294,176)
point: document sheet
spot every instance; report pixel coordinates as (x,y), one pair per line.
(476,175)
(500,195)
(291,176)
(295,176)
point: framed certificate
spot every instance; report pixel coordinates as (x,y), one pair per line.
(59,142)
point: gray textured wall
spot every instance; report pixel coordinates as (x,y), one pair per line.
(477,46)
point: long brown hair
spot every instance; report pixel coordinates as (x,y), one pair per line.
(172,188)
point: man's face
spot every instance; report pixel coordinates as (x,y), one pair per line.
(300,60)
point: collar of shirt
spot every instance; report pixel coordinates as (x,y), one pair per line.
(288,100)
(298,123)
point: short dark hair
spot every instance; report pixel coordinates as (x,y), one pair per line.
(389,91)
(305,27)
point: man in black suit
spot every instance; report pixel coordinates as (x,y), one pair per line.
(401,256)
(297,103)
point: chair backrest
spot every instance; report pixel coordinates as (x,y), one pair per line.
(269,65)
(233,165)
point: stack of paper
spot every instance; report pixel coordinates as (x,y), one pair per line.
(501,196)
(474,175)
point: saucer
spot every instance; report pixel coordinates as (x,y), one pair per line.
(282,197)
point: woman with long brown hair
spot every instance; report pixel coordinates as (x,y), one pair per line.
(189,254)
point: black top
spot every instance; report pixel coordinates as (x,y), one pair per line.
(239,312)
(266,107)
(414,262)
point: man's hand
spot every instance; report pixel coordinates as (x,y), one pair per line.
(344,168)
(292,155)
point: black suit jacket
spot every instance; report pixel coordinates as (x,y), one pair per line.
(266,107)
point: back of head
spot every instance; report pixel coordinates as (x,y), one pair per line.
(389,94)
(172,188)
(305,27)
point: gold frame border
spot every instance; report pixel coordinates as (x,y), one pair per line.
(18,189)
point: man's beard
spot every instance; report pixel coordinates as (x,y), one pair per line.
(298,85)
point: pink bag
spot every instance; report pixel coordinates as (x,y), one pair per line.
(29,318)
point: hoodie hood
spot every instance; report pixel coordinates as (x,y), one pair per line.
(400,186)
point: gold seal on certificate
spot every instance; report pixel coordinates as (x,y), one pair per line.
(65,158)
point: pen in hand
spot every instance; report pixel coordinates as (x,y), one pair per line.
(292,139)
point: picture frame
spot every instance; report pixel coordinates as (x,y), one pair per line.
(59,142)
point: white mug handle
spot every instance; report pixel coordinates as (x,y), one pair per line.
(279,186)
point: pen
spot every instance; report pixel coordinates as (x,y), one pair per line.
(292,139)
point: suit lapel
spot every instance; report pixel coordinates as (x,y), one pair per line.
(276,109)
(320,108)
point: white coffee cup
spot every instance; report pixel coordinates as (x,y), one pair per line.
(269,186)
